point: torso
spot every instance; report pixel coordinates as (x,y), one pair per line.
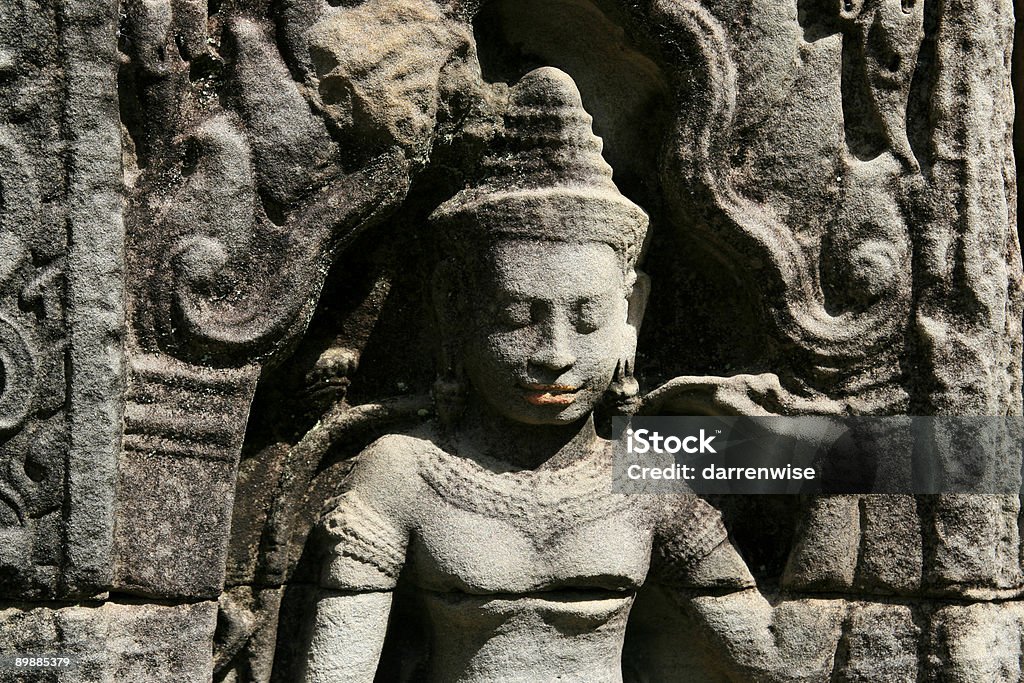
(531,572)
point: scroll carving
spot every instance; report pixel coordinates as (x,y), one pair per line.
(842,325)
(252,167)
(19,211)
(264,195)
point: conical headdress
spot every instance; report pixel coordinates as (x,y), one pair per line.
(545,178)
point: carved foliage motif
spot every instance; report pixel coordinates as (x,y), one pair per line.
(41,340)
(842,285)
(247,189)
(32,329)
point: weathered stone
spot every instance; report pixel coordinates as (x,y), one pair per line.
(881,643)
(62,315)
(977,642)
(175,493)
(313,314)
(110,642)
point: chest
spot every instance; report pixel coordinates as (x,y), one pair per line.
(531,538)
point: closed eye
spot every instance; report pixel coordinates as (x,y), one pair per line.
(590,314)
(516,314)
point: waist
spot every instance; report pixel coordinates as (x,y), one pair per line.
(573,635)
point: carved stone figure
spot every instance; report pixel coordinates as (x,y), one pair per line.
(503,520)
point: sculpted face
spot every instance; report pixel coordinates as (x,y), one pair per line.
(547,332)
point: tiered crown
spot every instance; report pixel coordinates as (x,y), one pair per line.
(545,178)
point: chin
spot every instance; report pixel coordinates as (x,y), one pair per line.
(552,416)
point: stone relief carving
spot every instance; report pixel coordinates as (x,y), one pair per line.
(59,352)
(839,292)
(522,561)
(219,233)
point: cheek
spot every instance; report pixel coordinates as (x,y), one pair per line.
(597,353)
(509,348)
(499,350)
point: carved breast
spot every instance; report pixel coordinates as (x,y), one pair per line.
(484,532)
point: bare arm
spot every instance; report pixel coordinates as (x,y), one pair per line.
(758,642)
(794,641)
(348,634)
(364,534)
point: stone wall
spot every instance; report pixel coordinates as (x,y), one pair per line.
(217,244)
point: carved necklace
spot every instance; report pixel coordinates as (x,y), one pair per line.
(542,504)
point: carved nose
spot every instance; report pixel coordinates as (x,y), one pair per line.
(553,353)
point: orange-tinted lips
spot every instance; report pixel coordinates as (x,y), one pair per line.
(549,394)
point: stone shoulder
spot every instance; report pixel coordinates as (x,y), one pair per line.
(386,474)
(692,548)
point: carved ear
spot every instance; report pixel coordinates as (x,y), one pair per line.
(637,300)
